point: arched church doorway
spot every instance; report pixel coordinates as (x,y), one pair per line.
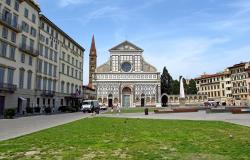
(126,97)
(110,101)
(142,100)
(164,100)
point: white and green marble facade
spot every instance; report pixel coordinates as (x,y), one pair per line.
(126,78)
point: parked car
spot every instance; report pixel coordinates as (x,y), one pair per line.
(211,103)
(104,108)
(87,105)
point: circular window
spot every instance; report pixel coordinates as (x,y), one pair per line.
(126,66)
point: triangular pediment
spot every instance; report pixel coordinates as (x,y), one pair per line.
(126,46)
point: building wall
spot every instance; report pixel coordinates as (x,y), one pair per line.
(25,40)
(239,79)
(214,86)
(22,59)
(69,67)
(189,99)
(47,80)
(228,89)
(127,75)
(248,89)
(139,90)
(235,80)
(65,54)
(88,93)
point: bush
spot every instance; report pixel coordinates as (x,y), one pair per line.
(37,109)
(29,110)
(76,108)
(67,109)
(62,108)
(72,109)
(9,113)
(47,110)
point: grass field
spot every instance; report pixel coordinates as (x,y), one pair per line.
(114,138)
(131,110)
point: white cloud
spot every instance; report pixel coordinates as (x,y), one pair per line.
(65,3)
(186,56)
(106,11)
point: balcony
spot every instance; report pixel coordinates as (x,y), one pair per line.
(8,22)
(29,50)
(47,93)
(9,88)
(76,95)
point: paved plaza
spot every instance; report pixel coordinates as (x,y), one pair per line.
(241,119)
(11,128)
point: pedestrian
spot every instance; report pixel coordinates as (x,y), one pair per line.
(112,109)
(92,108)
(118,108)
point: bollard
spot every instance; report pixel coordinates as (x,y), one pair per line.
(146,111)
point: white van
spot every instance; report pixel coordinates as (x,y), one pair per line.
(88,104)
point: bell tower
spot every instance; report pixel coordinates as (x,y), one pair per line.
(92,61)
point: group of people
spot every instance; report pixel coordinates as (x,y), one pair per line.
(116,107)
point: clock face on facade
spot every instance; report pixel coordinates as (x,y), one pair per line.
(126,66)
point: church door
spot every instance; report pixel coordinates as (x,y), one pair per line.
(126,97)
(142,102)
(126,101)
(110,103)
(110,100)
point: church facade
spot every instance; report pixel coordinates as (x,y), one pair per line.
(126,78)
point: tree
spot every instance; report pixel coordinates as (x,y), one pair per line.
(166,81)
(175,87)
(192,87)
(170,86)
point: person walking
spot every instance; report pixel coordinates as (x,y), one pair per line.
(112,109)
(92,109)
(118,108)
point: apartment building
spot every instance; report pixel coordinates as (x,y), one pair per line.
(231,86)
(47,79)
(215,86)
(248,85)
(19,38)
(32,52)
(240,75)
(71,71)
(59,76)
(228,87)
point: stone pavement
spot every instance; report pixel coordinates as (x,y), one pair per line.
(11,128)
(241,119)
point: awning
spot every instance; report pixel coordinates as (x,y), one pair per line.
(23,99)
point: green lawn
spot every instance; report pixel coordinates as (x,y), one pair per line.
(114,138)
(131,110)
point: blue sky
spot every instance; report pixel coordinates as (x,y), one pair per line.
(189,37)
